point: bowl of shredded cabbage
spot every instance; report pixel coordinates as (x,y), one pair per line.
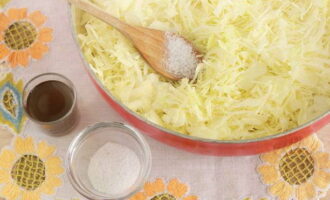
(264,82)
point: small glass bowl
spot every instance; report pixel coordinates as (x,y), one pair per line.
(89,141)
(60,126)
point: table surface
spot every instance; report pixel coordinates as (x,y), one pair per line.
(188,176)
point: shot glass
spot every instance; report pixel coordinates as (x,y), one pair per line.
(50,101)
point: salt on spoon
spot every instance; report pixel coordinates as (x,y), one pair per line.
(181,58)
(167,53)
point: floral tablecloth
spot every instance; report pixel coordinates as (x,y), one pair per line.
(35,37)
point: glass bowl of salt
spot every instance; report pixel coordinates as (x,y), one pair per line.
(108,161)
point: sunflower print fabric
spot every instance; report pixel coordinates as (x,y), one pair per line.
(159,190)
(300,172)
(22,36)
(66,199)
(11,107)
(5,137)
(29,170)
(3,3)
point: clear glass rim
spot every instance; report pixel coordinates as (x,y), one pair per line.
(77,141)
(71,85)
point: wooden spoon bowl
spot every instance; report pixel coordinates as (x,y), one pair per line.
(151,43)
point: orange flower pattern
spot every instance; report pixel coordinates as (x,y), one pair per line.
(300,171)
(29,170)
(158,190)
(22,36)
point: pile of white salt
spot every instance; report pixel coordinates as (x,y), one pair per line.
(113,169)
(180,58)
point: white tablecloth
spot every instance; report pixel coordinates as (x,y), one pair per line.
(209,178)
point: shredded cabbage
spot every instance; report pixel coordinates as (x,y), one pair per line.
(266,65)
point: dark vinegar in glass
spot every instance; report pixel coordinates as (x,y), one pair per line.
(49,101)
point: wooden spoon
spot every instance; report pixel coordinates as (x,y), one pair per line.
(150,43)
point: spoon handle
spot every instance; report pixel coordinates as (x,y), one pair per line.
(99,13)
